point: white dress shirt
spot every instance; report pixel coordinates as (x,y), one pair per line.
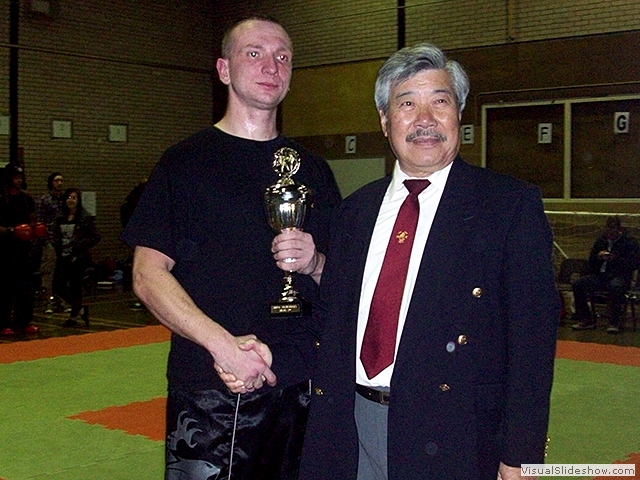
(429,199)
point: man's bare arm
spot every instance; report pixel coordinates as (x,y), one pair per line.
(165,298)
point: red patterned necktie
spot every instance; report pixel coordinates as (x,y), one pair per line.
(379,342)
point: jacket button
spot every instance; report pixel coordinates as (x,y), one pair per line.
(462,340)
(477,292)
(431,448)
(451,347)
(317,344)
(444,387)
(318,391)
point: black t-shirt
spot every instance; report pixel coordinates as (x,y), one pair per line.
(202,207)
(15,210)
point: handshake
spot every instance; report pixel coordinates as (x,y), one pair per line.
(28,232)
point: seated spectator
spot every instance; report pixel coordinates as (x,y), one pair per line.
(613,258)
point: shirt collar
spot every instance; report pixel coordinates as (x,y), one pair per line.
(437,179)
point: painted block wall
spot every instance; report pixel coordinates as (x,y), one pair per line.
(146,65)
(150,65)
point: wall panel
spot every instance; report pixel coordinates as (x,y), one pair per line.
(331,100)
(455,24)
(512,145)
(543,19)
(605,164)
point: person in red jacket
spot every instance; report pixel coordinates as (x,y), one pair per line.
(17,217)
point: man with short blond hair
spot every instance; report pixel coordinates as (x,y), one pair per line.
(207,266)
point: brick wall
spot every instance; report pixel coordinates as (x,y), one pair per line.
(148,64)
(143,64)
(542,19)
(455,24)
(334,31)
(328,31)
(4,76)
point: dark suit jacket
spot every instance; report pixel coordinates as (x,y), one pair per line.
(486,287)
(625,259)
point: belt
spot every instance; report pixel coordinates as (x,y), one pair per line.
(374,395)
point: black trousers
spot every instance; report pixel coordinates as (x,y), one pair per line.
(269,432)
(586,285)
(68,276)
(17,287)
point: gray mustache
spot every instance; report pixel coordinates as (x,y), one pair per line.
(428,132)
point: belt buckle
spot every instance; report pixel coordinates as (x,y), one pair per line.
(374,395)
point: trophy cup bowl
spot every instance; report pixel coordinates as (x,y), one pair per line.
(286,204)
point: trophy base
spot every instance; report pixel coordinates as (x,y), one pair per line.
(290,309)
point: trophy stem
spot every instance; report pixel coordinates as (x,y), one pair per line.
(288,290)
(290,304)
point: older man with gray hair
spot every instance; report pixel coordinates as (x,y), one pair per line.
(440,309)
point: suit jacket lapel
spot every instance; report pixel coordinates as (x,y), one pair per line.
(452,224)
(357,222)
(445,250)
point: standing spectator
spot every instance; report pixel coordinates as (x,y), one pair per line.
(49,208)
(612,260)
(207,266)
(74,235)
(17,215)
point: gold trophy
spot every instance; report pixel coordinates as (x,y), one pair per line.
(286,203)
